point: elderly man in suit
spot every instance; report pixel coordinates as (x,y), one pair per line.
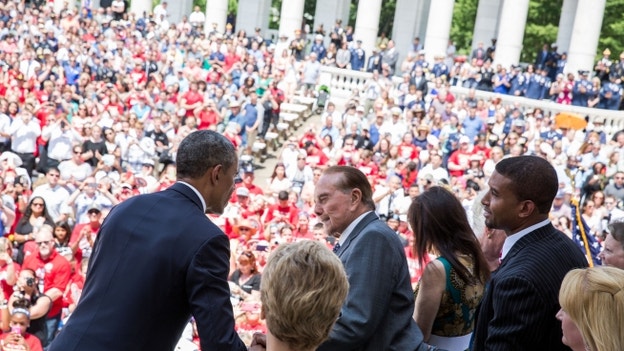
(158,260)
(517,311)
(377,312)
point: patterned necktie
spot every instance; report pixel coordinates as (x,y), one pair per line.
(336,248)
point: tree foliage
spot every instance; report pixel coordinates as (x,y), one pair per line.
(464,17)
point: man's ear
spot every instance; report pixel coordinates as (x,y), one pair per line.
(215,174)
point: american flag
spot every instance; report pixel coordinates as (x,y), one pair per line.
(583,238)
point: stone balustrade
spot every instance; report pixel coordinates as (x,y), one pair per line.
(341,83)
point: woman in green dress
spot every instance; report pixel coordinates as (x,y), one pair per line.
(452,285)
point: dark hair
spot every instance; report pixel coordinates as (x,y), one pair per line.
(440,223)
(53,169)
(353,178)
(279,164)
(28,212)
(65,225)
(202,150)
(532,178)
(616,229)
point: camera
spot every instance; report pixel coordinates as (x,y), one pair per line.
(30,282)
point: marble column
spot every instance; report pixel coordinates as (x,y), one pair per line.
(486,24)
(367,24)
(511,32)
(566,23)
(60,5)
(178,9)
(291,16)
(438,28)
(328,11)
(253,14)
(138,7)
(216,12)
(585,35)
(407,16)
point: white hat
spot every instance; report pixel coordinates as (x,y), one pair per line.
(433,140)
(11,158)
(318,37)
(464,140)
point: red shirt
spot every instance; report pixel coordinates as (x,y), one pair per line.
(32,341)
(288,213)
(54,272)
(6,288)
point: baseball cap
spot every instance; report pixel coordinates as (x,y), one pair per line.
(242,191)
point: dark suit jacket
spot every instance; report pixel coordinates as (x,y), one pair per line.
(518,309)
(157,260)
(377,314)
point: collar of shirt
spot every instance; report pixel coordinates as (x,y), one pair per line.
(511,240)
(345,235)
(201,198)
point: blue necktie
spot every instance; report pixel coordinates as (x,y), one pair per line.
(336,248)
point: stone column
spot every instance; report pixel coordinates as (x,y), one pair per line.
(138,7)
(511,32)
(291,16)
(216,12)
(177,9)
(438,28)
(566,23)
(585,35)
(367,24)
(60,5)
(407,15)
(253,14)
(328,11)
(486,24)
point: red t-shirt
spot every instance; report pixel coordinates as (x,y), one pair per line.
(54,272)
(32,341)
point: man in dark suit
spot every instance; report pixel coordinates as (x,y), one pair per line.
(518,309)
(158,260)
(377,314)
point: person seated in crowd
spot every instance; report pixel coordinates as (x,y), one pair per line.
(17,338)
(27,288)
(612,253)
(592,301)
(245,280)
(302,293)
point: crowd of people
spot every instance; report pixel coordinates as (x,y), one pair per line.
(95,103)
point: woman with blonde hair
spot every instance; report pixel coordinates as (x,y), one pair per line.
(592,306)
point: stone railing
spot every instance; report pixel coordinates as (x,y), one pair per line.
(341,83)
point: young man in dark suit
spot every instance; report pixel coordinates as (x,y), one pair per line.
(377,314)
(519,307)
(158,260)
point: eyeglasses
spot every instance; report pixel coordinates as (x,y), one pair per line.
(348,144)
(243,229)
(301,158)
(47,242)
(38,204)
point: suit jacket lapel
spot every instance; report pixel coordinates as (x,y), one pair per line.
(356,231)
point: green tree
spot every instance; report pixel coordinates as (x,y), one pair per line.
(612,29)
(541,27)
(464,16)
